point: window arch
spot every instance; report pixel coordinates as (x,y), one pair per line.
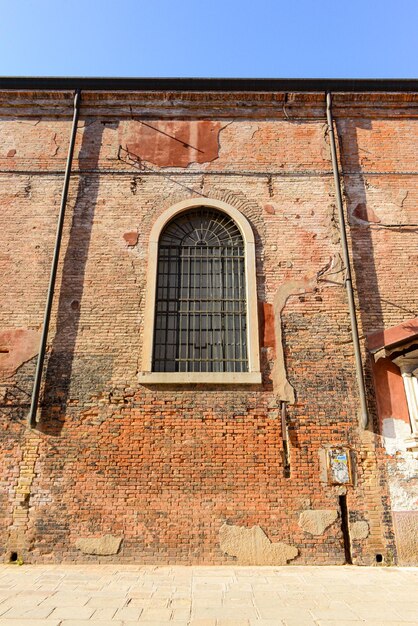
(201,315)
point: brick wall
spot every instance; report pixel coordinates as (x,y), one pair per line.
(165,467)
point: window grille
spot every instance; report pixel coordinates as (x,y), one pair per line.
(200,319)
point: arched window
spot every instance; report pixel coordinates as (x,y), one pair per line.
(201,317)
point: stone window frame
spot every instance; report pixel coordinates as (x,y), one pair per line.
(408,365)
(253,376)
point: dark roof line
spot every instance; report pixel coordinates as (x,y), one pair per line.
(357,85)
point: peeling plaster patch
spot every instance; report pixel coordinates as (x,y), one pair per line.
(359,530)
(365,214)
(131,237)
(395,432)
(172,143)
(330,272)
(11,153)
(17,345)
(269,208)
(266,320)
(403,485)
(282,388)
(251,546)
(103,546)
(403,473)
(317,521)
(403,499)
(379,206)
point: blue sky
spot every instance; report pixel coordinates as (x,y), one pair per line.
(260,38)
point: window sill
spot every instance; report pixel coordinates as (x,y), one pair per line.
(211,378)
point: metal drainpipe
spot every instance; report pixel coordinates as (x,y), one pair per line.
(346,259)
(54,267)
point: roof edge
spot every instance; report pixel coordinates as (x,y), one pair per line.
(391,337)
(343,85)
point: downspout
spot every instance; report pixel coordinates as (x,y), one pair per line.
(348,278)
(54,267)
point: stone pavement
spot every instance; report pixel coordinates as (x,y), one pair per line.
(124,595)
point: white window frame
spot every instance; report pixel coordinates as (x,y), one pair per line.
(253,376)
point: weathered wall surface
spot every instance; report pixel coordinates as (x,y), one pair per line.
(379,158)
(196,474)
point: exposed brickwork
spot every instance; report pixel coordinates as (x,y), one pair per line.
(165,467)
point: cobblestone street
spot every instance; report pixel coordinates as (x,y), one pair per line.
(101,595)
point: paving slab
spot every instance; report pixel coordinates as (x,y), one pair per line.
(72,612)
(30,622)
(161,615)
(124,595)
(28,612)
(104,614)
(128,613)
(91,622)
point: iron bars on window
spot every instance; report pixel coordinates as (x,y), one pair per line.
(200,321)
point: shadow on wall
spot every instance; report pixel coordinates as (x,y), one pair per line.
(366,283)
(60,365)
(365,264)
